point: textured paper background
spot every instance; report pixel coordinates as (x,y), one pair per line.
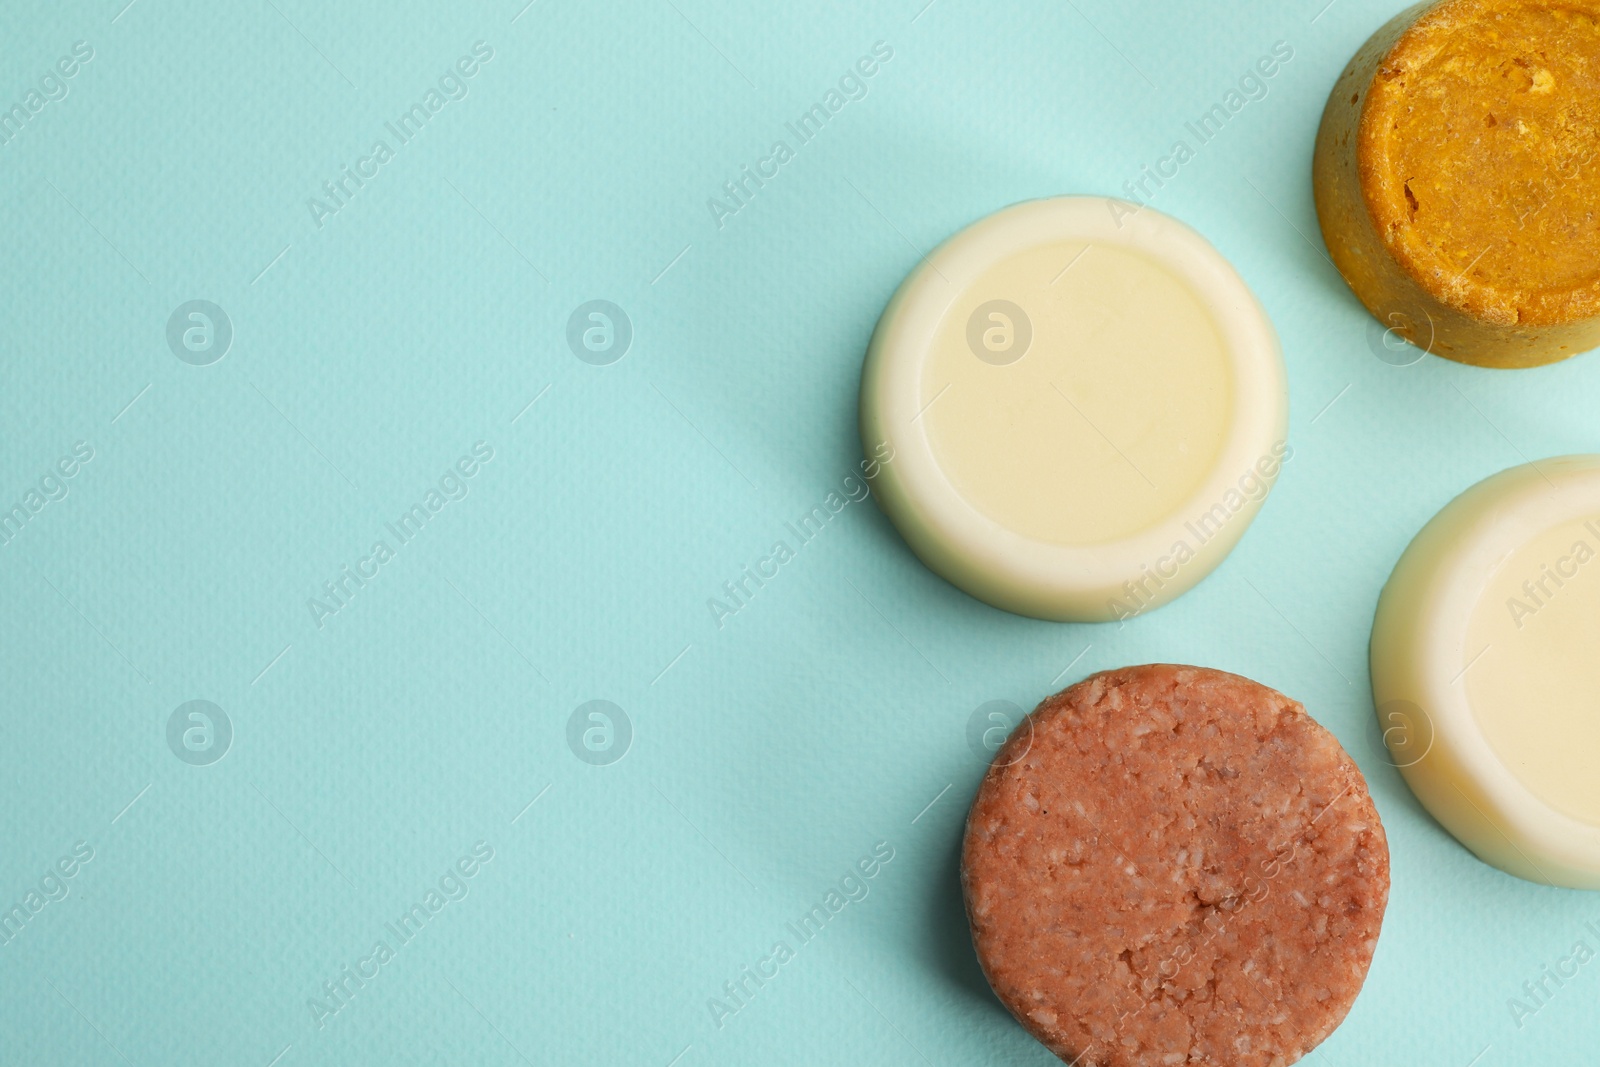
(768,755)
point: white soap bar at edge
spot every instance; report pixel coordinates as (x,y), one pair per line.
(1084,406)
(1486,669)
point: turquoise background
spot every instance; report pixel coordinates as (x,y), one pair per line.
(769,754)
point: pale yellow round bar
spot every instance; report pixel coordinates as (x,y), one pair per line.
(1486,669)
(1085,406)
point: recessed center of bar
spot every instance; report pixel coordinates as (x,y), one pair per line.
(1077,393)
(1534,678)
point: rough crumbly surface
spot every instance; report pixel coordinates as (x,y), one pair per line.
(1482,126)
(1174,865)
(1458,178)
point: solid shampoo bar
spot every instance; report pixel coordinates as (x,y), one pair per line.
(1171,865)
(1457,178)
(1086,407)
(1485,673)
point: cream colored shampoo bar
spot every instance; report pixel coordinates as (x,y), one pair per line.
(1086,407)
(1486,669)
